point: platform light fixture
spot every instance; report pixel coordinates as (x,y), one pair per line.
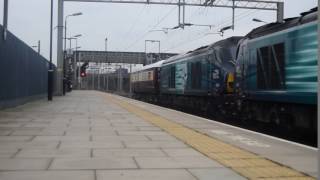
(222,30)
(65,26)
(214,33)
(191,24)
(152,41)
(259,20)
(160,30)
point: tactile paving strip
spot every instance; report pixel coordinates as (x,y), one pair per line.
(241,161)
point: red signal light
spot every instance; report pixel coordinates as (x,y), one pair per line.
(83,74)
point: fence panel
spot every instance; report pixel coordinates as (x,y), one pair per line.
(23,72)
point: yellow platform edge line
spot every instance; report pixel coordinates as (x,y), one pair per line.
(243,162)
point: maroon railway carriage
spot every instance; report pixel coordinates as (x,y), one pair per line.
(145,81)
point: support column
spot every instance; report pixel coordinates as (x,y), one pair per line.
(75,84)
(179,14)
(130,87)
(183,13)
(5,18)
(280,12)
(39,46)
(233,14)
(59,80)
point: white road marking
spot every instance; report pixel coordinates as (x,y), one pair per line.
(241,139)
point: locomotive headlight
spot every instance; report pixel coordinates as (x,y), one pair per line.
(217,85)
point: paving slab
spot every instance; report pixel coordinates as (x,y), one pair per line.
(93,163)
(93,144)
(142,174)
(5,132)
(128,153)
(155,144)
(15,144)
(47,175)
(15,138)
(176,162)
(54,153)
(62,138)
(120,138)
(97,133)
(8,152)
(24,164)
(37,132)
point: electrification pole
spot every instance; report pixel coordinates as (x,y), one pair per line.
(5,18)
(106,48)
(59,79)
(280,12)
(39,46)
(50,71)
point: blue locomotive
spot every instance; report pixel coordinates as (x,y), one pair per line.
(269,75)
(199,78)
(276,72)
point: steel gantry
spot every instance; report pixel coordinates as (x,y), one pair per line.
(273,5)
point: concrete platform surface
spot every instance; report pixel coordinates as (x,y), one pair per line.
(86,136)
(300,157)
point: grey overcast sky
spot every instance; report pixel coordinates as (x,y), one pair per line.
(126,25)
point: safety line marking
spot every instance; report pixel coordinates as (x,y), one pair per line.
(245,163)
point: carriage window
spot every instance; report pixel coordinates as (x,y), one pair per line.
(271,67)
(150,75)
(196,75)
(172,77)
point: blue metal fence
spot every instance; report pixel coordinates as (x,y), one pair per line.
(23,72)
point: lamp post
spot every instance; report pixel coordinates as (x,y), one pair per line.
(152,41)
(73,38)
(65,27)
(106,48)
(75,64)
(119,78)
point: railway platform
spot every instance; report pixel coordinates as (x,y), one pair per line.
(91,135)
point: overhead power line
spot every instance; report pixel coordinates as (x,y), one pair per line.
(134,23)
(202,34)
(153,27)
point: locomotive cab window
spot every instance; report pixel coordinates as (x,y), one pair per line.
(271,67)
